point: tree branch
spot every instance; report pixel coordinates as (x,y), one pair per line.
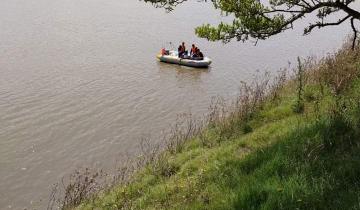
(320,25)
(259,20)
(282,10)
(306,3)
(355,33)
(337,4)
(348,10)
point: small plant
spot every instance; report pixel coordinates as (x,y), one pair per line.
(299,106)
(309,94)
(163,167)
(204,140)
(340,132)
(317,108)
(185,128)
(81,185)
(277,85)
(246,128)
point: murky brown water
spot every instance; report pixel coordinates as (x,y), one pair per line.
(79,83)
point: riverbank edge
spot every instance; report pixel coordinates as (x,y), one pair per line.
(291,144)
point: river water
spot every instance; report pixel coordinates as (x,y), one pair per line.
(79,83)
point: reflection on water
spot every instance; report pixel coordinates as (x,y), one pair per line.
(79,83)
(183,72)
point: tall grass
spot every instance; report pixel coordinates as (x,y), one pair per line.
(251,153)
(225,119)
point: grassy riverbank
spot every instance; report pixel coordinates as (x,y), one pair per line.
(290,145)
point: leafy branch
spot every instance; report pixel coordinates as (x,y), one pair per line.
(259,20)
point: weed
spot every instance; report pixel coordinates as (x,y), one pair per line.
(299,106)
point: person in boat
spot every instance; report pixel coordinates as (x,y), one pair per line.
(198,55)
(194,53)
(182,50)
(183,47)
(164,51)
(193,50)
(179,49)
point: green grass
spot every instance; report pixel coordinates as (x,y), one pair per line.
(285,161)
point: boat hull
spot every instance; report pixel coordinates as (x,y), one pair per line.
(184,62)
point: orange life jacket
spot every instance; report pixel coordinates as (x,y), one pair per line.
(163,51)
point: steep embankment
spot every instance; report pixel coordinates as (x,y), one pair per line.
(295,148)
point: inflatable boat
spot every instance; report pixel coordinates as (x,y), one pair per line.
(173,58)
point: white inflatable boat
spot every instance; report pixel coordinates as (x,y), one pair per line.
(172,57)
